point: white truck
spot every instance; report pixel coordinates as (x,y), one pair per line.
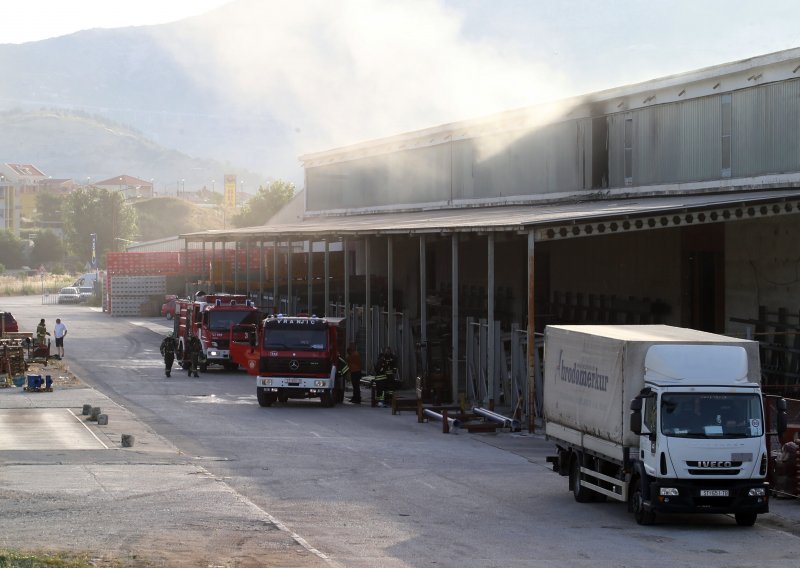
(667,419)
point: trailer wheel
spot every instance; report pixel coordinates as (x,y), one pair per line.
(746,519)
(582,494)
(642,516)
(265,398)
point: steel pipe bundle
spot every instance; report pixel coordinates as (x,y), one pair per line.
(499,418)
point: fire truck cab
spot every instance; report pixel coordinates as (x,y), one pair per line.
(299,357)
(211,317)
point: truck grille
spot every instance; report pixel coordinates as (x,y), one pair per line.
(295,365)
(714,468)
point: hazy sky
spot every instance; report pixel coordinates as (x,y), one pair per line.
(335,72)
(32,20)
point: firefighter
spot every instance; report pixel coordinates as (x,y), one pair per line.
(194,348)
(385,369)
(41,333)
(354,364)
(168,347)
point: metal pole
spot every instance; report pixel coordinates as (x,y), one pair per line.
(531,337)
(390,335)
(261,262)
(367,300)
(289,276)
(423,293)
(223,287)
(275,305)
(211,275)
(327,278)
(347,314)
(490,370)
(454,324)
(310,276)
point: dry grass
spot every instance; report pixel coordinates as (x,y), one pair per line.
(21,285)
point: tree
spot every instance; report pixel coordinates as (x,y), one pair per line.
(265,204)
(49,207)
(47,247)
(12,250)
(96,210)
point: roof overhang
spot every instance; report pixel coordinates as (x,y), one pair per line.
(549,221)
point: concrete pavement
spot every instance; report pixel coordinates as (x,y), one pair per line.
(67,484)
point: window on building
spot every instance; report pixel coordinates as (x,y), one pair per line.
(628,151)
(725,124)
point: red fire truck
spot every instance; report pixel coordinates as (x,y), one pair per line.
(211,317)
(294,357)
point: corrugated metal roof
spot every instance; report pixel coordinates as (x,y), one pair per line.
(496,219)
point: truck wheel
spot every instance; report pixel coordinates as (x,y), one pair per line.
(582,495)
(203,367)
(642,516)
(746,519)
(282,396)
(326,398)
(265,398)
(230,366)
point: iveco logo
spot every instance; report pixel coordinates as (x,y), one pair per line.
(294,364)
(715,464)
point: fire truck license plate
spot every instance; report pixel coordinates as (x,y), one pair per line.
(714,493)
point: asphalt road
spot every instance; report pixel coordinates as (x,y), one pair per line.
(365,488)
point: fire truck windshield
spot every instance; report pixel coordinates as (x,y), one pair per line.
(222,321)
(304,339)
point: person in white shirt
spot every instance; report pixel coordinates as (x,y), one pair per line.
(60,330)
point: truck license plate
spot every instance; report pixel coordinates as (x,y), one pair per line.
(714,493)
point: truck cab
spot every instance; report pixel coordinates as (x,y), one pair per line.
(299,358)
(700,424)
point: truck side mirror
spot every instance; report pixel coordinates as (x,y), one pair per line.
(636,416)
(782,416)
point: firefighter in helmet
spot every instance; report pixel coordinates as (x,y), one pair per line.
(168,346)
(194,348)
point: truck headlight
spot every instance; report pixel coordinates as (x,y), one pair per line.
(668,491)
(212,353)
(320,383)
(266,382)
(757,492)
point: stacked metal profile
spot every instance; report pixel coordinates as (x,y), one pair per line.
(133,295)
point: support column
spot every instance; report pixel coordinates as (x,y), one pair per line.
(367,303)
(222,268)
(310,276)
(211,276)
(186,261)
(326,307)
(261,262)
(289,278)
(423,293)
(346,269)
(454,325)
(490,362)
(236,267)
(390,333)
(247,268)
(531,337)
(275,303)
(203,267)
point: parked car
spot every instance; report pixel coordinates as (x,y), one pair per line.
(69,295)
(168,309)
(86,292)
(8,323)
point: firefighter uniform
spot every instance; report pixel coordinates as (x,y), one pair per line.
(194,349)
(168,347)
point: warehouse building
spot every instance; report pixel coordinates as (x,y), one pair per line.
(672,201)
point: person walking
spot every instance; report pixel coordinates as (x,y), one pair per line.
(385,369)
(41,333)
(60,331)
(168,346)
(194,349)
(354,362)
